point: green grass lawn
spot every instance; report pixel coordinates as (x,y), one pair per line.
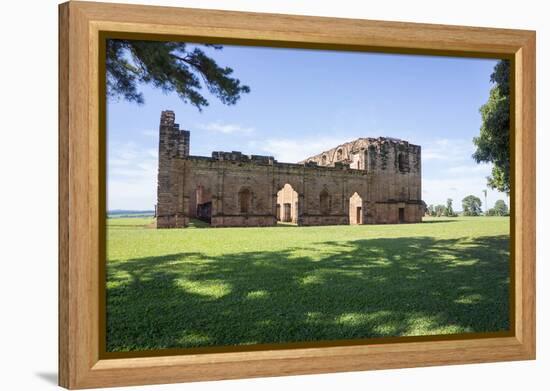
(201,286)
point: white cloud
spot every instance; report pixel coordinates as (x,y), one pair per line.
(295,150)
(131,176)
(132,170)
(473,168)
(226,128)
(447,150)
(450,172)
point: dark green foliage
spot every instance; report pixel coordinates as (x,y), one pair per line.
(493,142)
(442,210)
(471,206)
(501,209)
(170,66)
(448,211)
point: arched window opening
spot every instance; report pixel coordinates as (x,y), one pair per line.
(324,160)
(339,154)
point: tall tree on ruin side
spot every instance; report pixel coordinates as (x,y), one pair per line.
(172,67)
(493,142)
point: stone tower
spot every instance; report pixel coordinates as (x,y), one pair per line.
(173,145)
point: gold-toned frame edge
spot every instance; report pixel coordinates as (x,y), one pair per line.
(79,167)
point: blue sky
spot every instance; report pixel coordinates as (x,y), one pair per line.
(305,101)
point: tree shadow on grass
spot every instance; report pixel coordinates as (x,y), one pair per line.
(356,289)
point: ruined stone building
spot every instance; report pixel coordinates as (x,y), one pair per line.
(366,181)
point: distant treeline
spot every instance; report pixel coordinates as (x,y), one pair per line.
(471,206)
(117,213)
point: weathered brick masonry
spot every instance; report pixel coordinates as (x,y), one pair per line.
(366,181)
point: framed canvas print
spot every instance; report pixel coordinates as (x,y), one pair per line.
(247,195)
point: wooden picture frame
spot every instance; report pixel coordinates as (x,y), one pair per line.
(81,24)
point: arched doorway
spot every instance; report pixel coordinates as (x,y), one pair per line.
(202,208)
(355,209)
(287,205)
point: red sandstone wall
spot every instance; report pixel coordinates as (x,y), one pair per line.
(391,179)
